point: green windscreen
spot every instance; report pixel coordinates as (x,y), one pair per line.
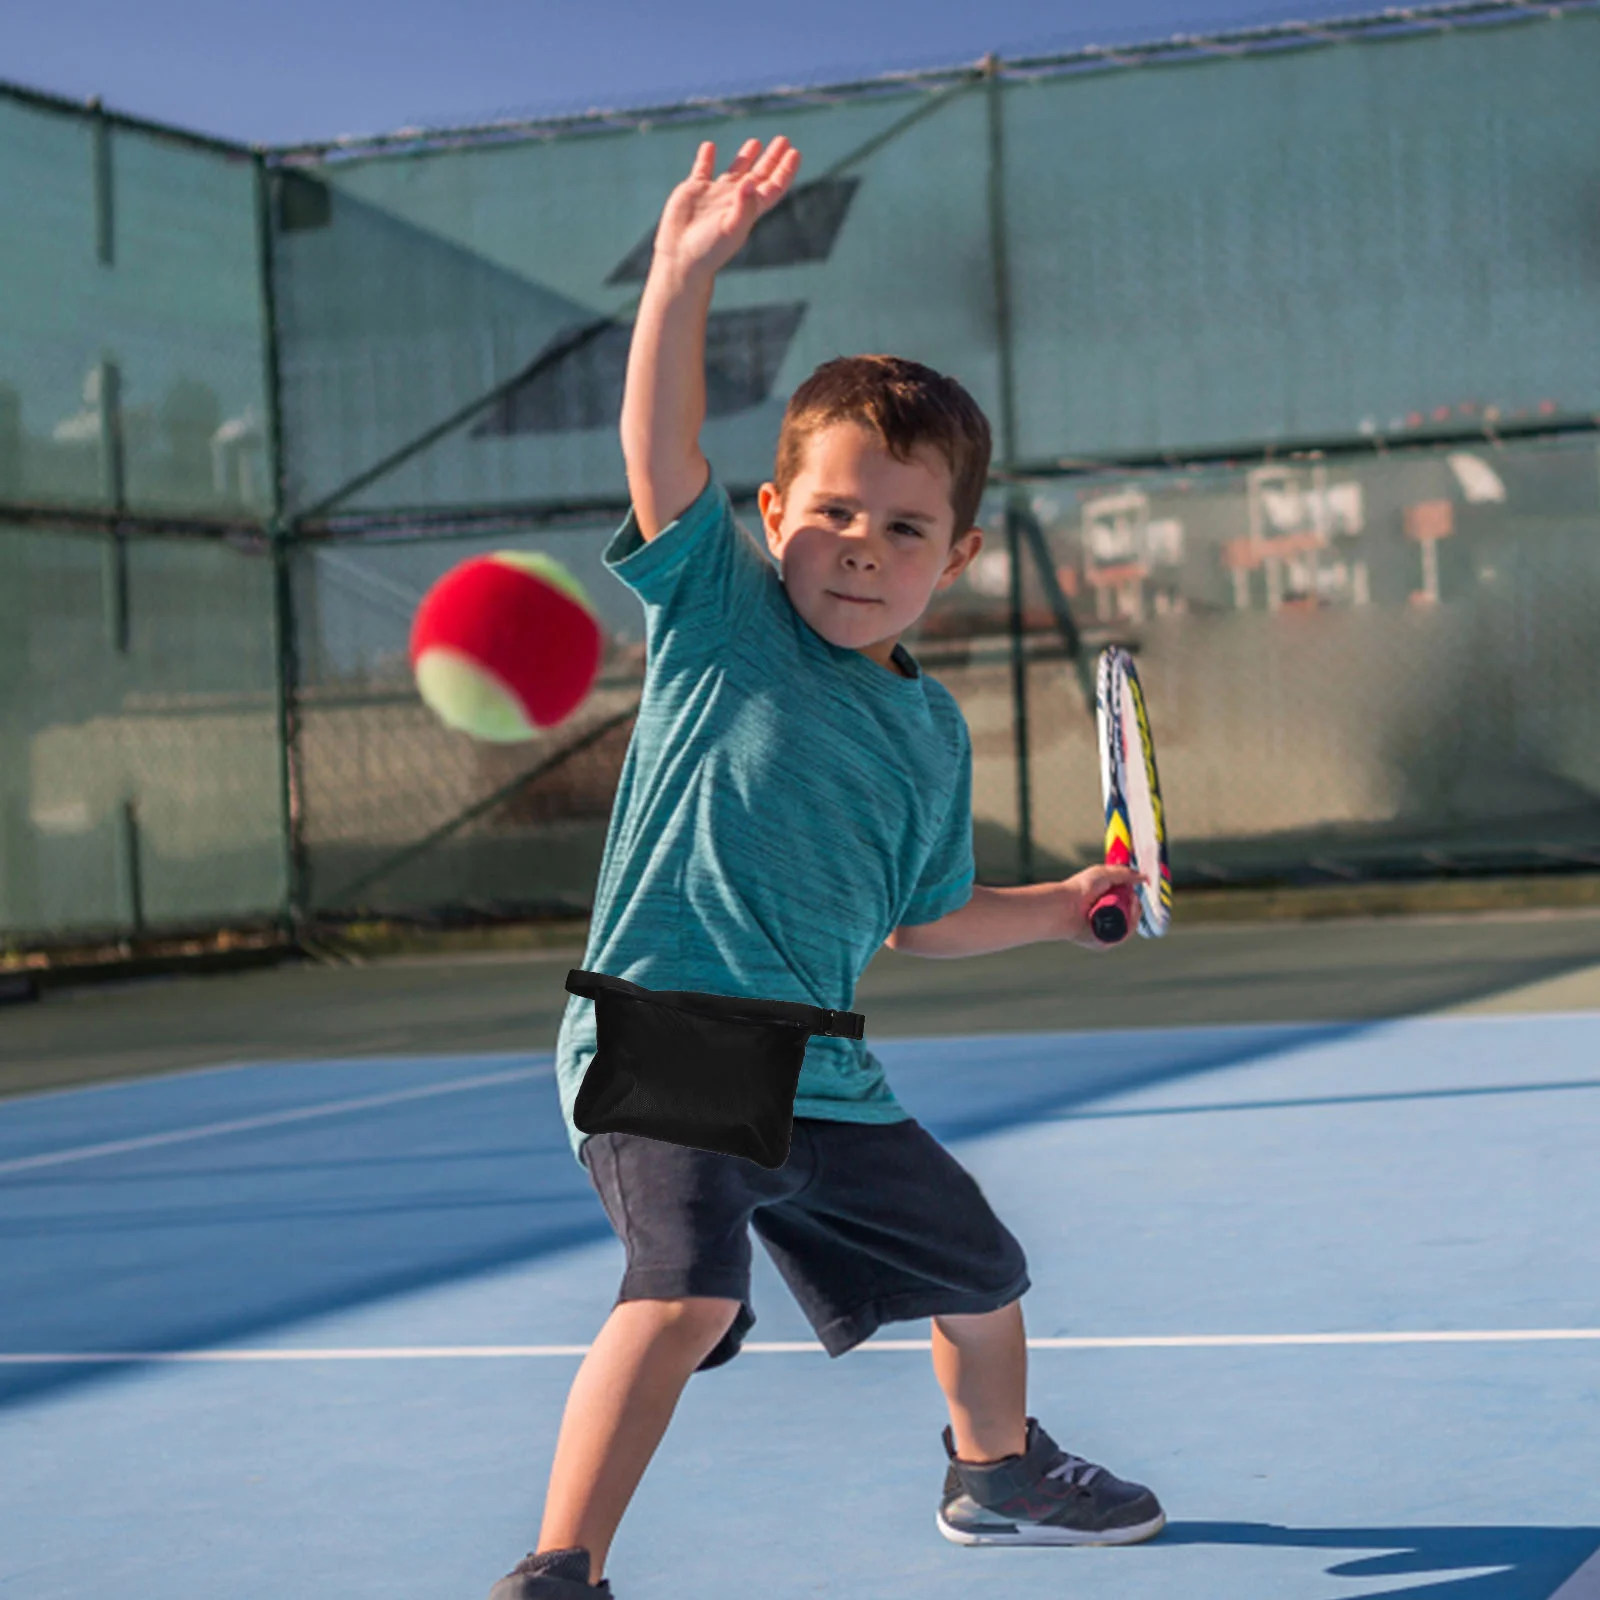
(1353,285)
(139,789)
(1302,245)
(1313,245)
(131,327)
(406,289)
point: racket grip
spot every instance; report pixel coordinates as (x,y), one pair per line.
(1109,916)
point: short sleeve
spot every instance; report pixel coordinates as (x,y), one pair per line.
(945,884)
(700,574)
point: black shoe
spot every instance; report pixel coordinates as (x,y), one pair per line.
(1043,1496)
(551,1575)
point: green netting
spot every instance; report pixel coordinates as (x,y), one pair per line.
(382,774)
(1359,666)
(1315,245)
(1360,660)
(406,289)
(139,788)
(1306,245)
(131,330)
(1374,665)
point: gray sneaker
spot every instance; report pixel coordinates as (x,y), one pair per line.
(1043,1496)
(551,1575)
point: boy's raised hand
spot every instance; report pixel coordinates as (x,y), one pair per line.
(707,219)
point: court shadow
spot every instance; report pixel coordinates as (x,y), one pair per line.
(1472,1563)
(965,1088)
(221,1241)
(233,1238)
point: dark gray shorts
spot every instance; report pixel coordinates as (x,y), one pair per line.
(868,1223)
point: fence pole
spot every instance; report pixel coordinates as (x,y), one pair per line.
(281,536)
(1015,505)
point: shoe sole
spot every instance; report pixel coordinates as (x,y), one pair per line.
(1043,1533)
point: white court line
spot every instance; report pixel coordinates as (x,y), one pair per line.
(168,1075)
(270,1119)
(505,1352)
(1584,1584)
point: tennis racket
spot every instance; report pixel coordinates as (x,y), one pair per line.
(1136,827)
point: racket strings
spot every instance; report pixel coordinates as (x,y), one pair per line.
(1133,806)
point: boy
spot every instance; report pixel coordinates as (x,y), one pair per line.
(797,793)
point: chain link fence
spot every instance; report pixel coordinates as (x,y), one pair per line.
(1356,666)
(1288,338)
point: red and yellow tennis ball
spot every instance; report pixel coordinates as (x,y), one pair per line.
(504,645)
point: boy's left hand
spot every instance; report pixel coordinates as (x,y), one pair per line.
(1078,895)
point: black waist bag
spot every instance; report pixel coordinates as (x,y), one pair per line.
(712,1071)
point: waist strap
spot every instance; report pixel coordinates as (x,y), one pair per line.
(736,1008)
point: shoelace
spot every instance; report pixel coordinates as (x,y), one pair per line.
(1074,1471)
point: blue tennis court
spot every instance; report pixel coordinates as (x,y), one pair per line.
(306,1328)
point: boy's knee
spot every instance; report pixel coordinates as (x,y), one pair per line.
(709,1316)
(698,1318)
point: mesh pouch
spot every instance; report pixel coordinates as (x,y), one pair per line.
(711,1071)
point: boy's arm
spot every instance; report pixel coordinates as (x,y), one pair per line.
(1001,919)
(704,224)
(664,401)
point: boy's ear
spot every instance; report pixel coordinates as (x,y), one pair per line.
(963,552)
(771,510)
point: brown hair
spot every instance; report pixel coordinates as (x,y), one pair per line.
(906,404)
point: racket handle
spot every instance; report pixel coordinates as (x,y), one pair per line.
(1109,916)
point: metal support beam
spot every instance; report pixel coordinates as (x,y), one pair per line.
(280,531)
(114,495)
(1015,502)
(1066,623)
(130,866)
(103,179)
(1019,697)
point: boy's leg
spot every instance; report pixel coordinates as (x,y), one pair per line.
(1008,1481)
(621,1400)
(981,1362)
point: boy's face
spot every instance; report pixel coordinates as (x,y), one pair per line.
(857,522)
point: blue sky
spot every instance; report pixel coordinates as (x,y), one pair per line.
(297,70)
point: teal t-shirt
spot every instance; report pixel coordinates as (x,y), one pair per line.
(785,804)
